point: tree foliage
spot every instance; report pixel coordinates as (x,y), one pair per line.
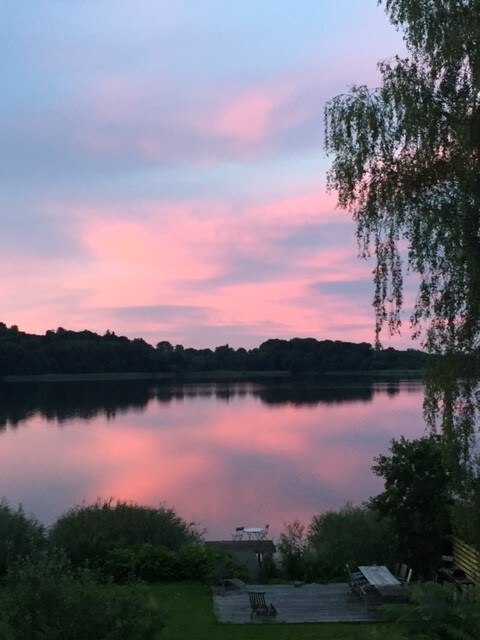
(417,499)
(406,163)
(85,352)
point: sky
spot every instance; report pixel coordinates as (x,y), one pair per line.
(163,173)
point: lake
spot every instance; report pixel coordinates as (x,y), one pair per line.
(222,455)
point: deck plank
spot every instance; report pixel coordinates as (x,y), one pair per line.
(295,604)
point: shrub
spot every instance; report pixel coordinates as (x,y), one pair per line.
(437,613)
(46,599)
(353,535)
(199,563)
(293,551)
(88,533)
(120,565)
(268,570)
(19,536)
(158,564)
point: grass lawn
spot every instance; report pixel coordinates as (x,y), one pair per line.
(188,614)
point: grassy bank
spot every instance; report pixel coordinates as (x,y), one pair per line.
(188,613)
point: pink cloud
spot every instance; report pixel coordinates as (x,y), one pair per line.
(314,206)
(248,118)
(200,254)
(259,112)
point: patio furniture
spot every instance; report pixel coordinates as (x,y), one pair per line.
(253,531)
(259,604)
(238,535)
(383,582)
(263,534)
(356,580)
(456,576)
(403,573)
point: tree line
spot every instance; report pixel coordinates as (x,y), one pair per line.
(63,351)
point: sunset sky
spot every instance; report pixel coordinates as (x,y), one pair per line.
(163,173)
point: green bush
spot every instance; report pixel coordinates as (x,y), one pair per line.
(156,564)
(436,613)
(120,565)
(268,570)
(353,535)
(88,533)
(293,551)
(45,599)
(199,563)
(19,536)
(153,563)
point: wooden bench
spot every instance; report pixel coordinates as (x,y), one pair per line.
(456,576)
(259,605)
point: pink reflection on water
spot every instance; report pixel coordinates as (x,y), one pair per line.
(220,462)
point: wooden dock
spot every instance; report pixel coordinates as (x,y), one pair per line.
(295,604)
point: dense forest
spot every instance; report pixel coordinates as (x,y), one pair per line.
(82,352)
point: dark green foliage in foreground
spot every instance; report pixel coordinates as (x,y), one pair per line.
(88,533)
(437,613)
(417,499)
(19,536)
(45,599)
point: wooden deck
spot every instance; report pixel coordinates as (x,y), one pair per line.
(306,603)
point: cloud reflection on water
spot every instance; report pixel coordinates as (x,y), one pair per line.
(222,455)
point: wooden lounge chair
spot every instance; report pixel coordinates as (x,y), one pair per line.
(259,605)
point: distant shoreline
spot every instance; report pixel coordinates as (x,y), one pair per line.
(200,376)
(391,374)
(212,376)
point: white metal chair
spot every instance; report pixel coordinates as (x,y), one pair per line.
(405,574)
(238,535)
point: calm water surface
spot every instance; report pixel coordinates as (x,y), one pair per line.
(222,455)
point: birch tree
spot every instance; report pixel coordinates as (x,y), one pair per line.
(406,165)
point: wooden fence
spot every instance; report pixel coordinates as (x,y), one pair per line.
(467,558)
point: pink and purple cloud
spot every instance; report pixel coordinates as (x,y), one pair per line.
(163,173)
